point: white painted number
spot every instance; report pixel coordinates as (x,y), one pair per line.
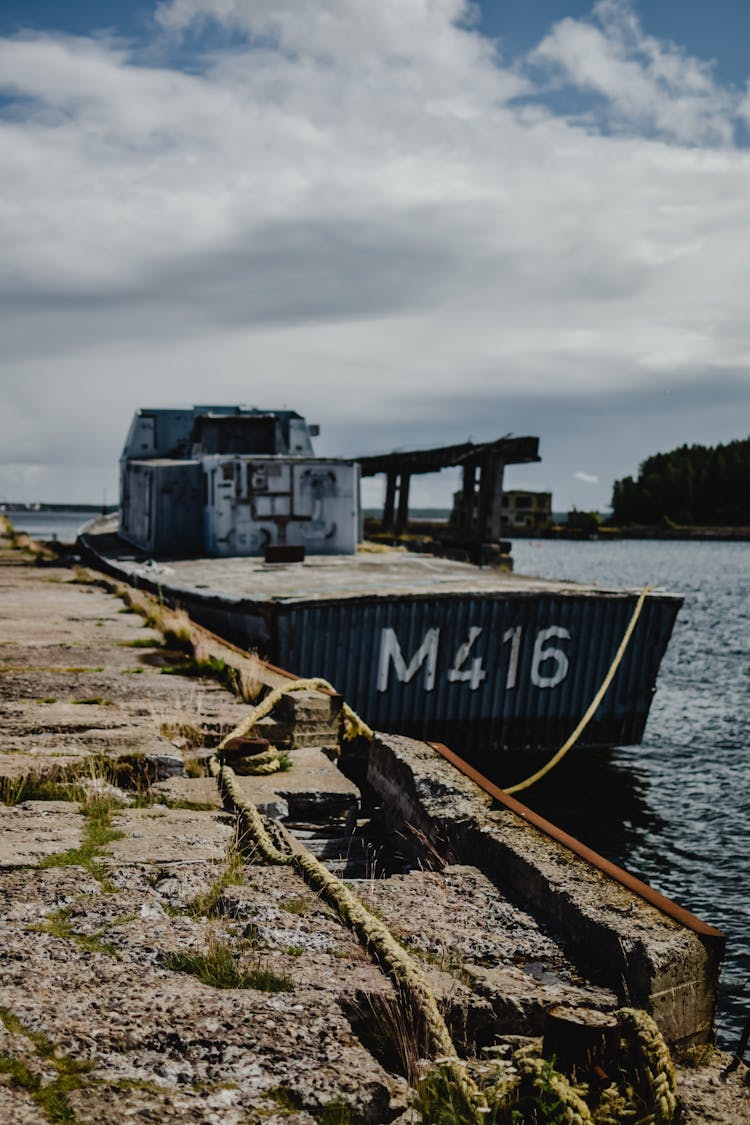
(390,650)
(514,636)
(474,674)
(549,663)
(542,655)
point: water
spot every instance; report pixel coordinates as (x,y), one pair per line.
(674,810)
(51,525)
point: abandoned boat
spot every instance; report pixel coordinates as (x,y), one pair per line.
(227,512)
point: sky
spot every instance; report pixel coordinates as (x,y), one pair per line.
(416,222)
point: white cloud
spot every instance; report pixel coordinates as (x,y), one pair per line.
(647,83)
(587,478)
(346,208)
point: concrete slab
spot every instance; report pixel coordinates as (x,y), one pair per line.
(649,958)
(31,831)
(313,787)
(161,835)
(196,790)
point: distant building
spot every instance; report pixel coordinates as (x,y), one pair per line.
(527,510)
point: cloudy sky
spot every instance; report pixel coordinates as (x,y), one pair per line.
(413,221)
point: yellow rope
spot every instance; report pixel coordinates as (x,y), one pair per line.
(355,725)
(652,1062)
(538,1074)
(260,765)
(373,933)
(573,738)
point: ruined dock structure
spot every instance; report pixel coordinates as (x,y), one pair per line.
(218,909)
(475,530)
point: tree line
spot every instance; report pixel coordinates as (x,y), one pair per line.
(694,485)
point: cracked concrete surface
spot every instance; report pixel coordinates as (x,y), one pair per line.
(86,945)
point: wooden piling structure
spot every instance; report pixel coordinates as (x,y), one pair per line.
(478,516)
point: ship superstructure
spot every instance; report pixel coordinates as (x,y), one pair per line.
(234,480)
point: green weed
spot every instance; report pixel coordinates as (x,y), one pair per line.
(97,833)
(212,667)
(57,923)
(542,1106)
(204,905)
(337,1113)
(297,906)
(286,1099)
(52,1096)
(219,966)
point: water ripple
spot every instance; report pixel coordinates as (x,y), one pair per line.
(675,810)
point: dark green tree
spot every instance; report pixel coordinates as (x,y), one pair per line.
(694,485)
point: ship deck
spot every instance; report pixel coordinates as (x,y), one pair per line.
(373,572)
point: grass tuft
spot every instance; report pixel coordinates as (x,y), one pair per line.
(51,1097)
(57,923)
(219,966)
(337,1113)
(297,906)
(38,787)
(97,833)
(196,767)
(204,905)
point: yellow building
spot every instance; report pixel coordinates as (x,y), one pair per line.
(526,509)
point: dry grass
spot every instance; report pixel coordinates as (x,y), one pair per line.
(397,1033)
(179,719)
(54,785)
(249,680)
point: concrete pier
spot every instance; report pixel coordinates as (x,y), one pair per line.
(154,968)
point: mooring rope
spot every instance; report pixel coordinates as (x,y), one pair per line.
(647,1053)
(399,965)
(591,710)
(354,725)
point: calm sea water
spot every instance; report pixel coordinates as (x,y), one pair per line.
(51,525)
(674,810)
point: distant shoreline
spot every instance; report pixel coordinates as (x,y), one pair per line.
(9,506)
(606,534)
(435,527)
(438,517)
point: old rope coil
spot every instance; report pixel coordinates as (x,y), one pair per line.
(573,738)
(260,765)
(354,726)
(646,1092)
(536,1073)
